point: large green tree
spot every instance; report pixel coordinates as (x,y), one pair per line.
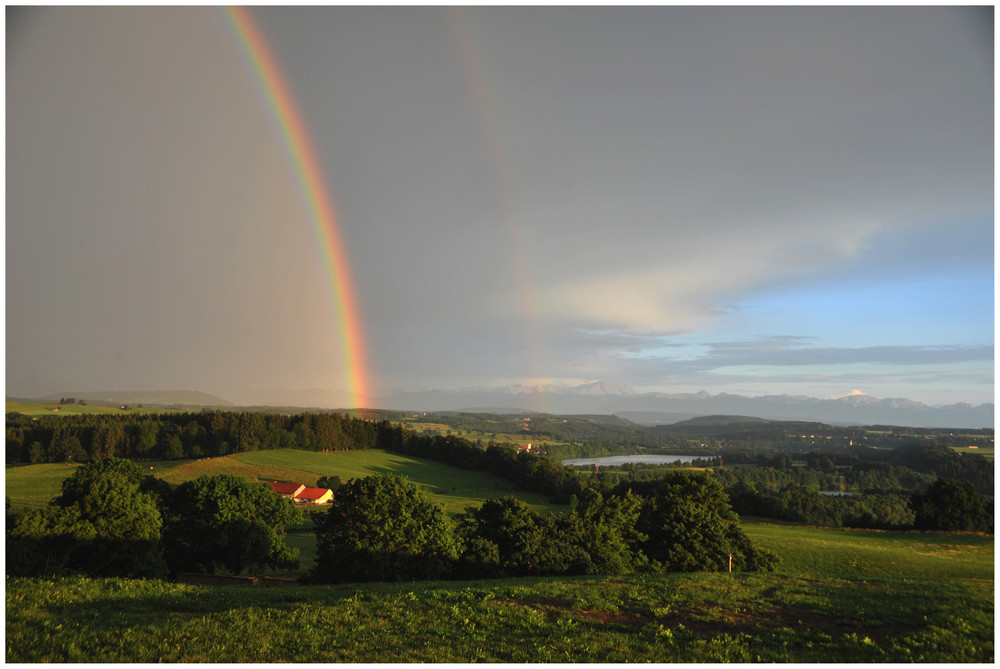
(952,506)
(690,526)
(227,522)
(611,534)
(503,537)
(383,528)
(103,524)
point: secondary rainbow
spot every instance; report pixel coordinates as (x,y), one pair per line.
(316,193)
(482,91)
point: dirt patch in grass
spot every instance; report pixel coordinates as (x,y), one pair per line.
(711,621)
(746,619)
(626,618)
(554,608)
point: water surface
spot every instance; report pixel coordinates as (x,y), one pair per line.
(613,460)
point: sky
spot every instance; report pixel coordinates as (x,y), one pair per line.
(782,200)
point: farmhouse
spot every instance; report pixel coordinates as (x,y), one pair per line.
(300,493)
(314,496)
(289,490)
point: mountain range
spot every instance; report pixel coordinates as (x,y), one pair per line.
(656,408)
(652,408)
(160,398)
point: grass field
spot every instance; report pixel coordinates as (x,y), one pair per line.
(837,596)
(853,554)
(34,486)
(454,489)
(56,409)
(985,451)
(941,611)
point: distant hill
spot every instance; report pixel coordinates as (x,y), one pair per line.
(165,398)
(649,408)
(719,425)
(650,418)
(596,398)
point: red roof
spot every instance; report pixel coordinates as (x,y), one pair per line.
(290,489)
(312,493)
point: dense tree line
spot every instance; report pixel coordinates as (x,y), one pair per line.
(952,505)
(941,461)
(383,528)
(780,484)
(525,470)
(589,449)
(112,519)
(615,434)
(216,433)
(909,466)
(179,435)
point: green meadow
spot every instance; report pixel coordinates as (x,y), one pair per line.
(937,606)
(837,596)
(985,451)
(454,489)
(871,554)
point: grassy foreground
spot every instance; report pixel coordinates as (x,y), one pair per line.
(935,607)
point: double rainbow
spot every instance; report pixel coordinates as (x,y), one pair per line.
(317,197)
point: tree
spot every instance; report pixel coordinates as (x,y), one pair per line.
(612,538)
(104,443)
(66,447)
(148,437)
(331,482)
(951,506)
(226,522)
(506,537)
(502,537)
(36,452)
(174,449)
(383,528)
(691,527)
(103,524)
(84,478)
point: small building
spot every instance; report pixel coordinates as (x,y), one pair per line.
(289,490)
(314,495)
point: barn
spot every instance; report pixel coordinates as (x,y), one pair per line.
(314,496)
(289,490)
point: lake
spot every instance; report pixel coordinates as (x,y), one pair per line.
(613,460)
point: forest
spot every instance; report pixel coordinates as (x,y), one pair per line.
(114,519)
(797,471)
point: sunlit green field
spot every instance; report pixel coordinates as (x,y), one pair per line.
(868,554)
(454,489)
(34,486)
(837,596)
(985,451)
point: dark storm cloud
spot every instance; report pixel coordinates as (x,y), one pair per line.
(524,192)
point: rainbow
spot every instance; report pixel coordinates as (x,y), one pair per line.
(317,198)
